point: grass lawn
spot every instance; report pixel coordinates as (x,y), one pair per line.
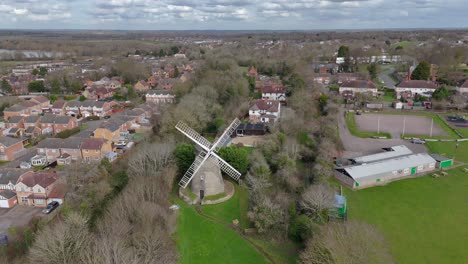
(423,219)
(389,96)
(244,68)
(234,208)
(449,150)
(354,130)
(202,241)
(283,252)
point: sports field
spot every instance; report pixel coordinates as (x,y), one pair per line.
(399,124)
(423,219)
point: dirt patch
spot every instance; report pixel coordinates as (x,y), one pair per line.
(394,124)
(249,141)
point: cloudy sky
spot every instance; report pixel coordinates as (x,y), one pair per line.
(235,14)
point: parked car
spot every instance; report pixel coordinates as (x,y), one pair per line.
(418,141)
(51,207)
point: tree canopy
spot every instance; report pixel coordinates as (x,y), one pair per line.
(36,86)
(237,157)
(422,71)
(185,155)
(343,51)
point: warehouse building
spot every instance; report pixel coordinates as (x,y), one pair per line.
(393,164)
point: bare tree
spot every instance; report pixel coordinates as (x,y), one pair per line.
(317,200)
(347,243)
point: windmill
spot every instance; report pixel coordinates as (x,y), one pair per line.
(208,181)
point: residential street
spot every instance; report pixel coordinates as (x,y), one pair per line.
(383,76)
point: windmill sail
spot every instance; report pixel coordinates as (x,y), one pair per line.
(226,135)
(225,167)
(193,135)
(190,173)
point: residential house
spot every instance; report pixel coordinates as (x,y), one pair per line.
(346,77)
(108,130)
(160,96)
(323,78)
(64,159)
(32,131)
(71,146)
(95,108)
(252,72)
(421,87)
(41,101)
(10,148)
(15,110)
(33,188)
(166,84)
(58,108)
(15,122)
(264,111)
(34,106)
(9,177)
(53,124)
(142,86)
(32,121)
(274,93)
(50,147)
(15,132)
(7,199)
(94,149)
(360,86)
(463,89)
(98,93)
(152,81)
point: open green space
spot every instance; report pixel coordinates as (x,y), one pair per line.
(403,44)
(244,68)
(450,150)
(424,219)
(389,96)
(354,130)
(234,208)
(200,240)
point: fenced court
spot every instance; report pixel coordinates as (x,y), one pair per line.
(399,124)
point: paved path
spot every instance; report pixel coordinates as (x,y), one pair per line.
(383,76)
(355,146)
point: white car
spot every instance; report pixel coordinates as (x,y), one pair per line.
(418,141)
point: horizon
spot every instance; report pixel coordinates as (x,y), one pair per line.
(172,15)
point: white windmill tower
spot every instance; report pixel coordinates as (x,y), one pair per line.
(208,180)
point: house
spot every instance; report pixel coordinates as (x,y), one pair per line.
(160,96)
(10,148)
(152,81)
(95,108)
(33,188)
(360,86)
(9,177)
(41,101)
(142,86)
(166,84)
(264,111)
(462,89)
(32,131)
(98,93)
(108,130)
(72,147)
(15,122)
(94,149)
(7,199)
(15,110)
(31,121)
(58,108)
(15,132)
(274,93)
(50,147)
(323,78)
(252,72)
(53,124)
(64,159)
(346,77)
(34,106)
(421,87)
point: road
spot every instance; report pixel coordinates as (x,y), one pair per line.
(355,146)
(383,76)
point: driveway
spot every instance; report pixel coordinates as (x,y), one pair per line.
(356,146)
(383,76)
(16,216)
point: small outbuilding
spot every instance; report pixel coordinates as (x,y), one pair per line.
(250,129)
(442,162)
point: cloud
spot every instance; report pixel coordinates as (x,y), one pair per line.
(234,14)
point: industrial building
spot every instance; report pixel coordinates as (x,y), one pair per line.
(394,163)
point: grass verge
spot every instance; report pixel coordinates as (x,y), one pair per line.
(354,130)
(450,150)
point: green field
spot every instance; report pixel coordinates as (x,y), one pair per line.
(389,96)
(354,130)
(234,208)
(423,219)
(449,149)
(200,240)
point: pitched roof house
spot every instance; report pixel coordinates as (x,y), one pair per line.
(160,96)
(359,86)
(264,111)
(33,188)
(421,87)
(94,149)
(275,93)
(10,148)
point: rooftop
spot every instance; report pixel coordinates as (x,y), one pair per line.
(417,84)
(390,153)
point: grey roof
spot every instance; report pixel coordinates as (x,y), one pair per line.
(7,176)
(439,158)
(7,194)
(392,153)
(14,108)
(112,126)
(55,119)
(361,171)
(62,119)
(72,143)
(30,130)
(50,143)
(9,141)
(160,92)
(48,119)
(32,119)
(73,104)
(15,119)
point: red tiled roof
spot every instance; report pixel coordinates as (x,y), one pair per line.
(359,84)
(41,99)
(273,89)
(58,191)
(41,178)
(417,84)
(268,105)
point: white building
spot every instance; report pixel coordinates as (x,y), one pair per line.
(160,96)
(421,87)
(274,93)
(359,86)
(264,111)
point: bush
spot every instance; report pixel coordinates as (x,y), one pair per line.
(237,157)
(69,97)
(68,133)
(185,155)
(301,228)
